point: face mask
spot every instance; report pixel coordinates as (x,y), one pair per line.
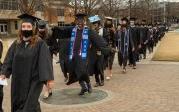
(27,33)
(42,32)
(124,25)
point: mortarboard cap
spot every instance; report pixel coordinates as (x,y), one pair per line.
(42,24)
(109,18)
(28,18)
(94,19)
(133,19)
(125,19)
(80,15)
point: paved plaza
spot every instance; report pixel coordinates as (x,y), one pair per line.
(152,87)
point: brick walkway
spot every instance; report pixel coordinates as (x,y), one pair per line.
(153,87)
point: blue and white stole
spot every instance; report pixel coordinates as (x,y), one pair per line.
(84,43)
(126,42)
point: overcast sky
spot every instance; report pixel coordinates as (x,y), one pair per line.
(170,0)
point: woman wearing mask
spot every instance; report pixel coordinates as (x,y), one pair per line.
(28,60)
(109,36)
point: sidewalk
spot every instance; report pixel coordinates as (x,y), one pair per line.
(152,87)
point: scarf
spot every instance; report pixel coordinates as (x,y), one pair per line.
(84,43)
(126,42)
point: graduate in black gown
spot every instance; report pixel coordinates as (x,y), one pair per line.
(28,61)
(44,34)
(124,41)
(151,38)
(136,40)
(1,86)
(109,36)
(81,37)
(144,38)
(96,63)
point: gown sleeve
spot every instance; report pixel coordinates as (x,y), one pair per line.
(7,64)
(45,63)
(99,42)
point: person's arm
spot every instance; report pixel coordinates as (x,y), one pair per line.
(99,42)
(45,63)
(62,32)
(6,70)
(131,41)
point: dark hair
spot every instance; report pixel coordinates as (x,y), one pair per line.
(33,40)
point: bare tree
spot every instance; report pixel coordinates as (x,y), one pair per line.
(27,6)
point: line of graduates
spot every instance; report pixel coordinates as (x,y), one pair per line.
(83,51)
(86,54)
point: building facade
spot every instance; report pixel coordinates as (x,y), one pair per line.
(9,22)
(55,12)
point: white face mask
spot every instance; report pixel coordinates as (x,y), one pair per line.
(132,23)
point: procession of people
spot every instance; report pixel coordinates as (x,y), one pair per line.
(85,48)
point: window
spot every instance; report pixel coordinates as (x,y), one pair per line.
(61,23)
(60,12)
(9,5)
(2,28)
(16,25)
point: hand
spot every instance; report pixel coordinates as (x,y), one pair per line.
(133,49)
(3,77)
(140,46)
(50,84)
(113,50)
(113,29)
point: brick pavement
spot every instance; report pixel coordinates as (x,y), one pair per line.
(153,87)
(150,88)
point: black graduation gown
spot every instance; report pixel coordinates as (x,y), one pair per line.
(144,39)
(134,36)
(1,87)
(109,37)
(77,66)
(30,67)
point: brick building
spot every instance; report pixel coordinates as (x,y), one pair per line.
(55,12)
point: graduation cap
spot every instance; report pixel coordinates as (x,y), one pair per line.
(143,20)
(133,19)
(28,18)
(109,18)
(80,15)
(125,19)
(42,24)
(94,19)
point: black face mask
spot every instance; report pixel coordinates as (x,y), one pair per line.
(27,33)
(124,25)
(42,32)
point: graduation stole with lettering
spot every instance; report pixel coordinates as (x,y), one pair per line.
(126,42)
(84,43)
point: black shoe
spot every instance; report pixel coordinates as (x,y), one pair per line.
(84,89)
(102,83)
(82,92)
(97,84)
(134,67)
(89,88)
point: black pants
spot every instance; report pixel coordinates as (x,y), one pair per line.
(1,98)
(151,46)
(122,59)
(99,71)
(110,61)
(144,50)
(132,57)
(63,65)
